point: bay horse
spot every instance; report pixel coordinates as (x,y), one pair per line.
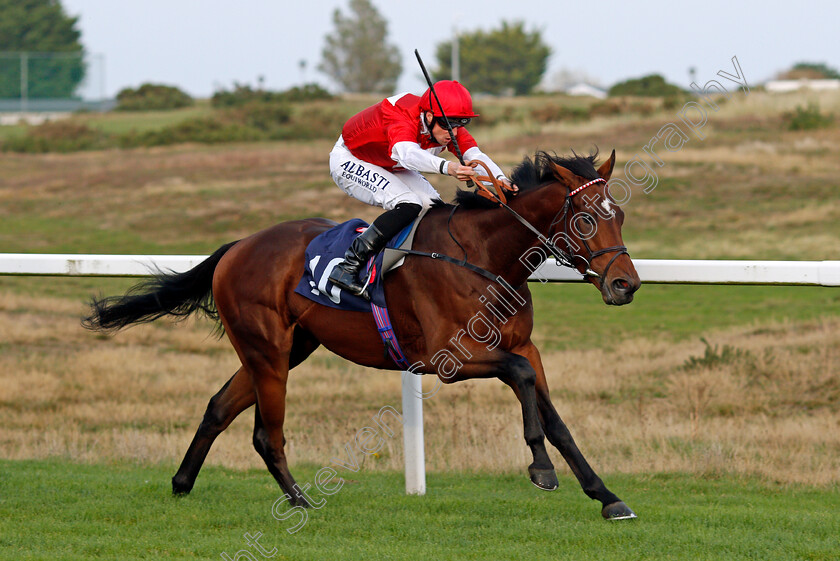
(248,286)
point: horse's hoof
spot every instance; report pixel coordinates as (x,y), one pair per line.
(618,511)
(544,479)
(298,500)
(180,489)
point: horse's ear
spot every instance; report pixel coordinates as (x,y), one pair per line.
(606,169)
(564,175)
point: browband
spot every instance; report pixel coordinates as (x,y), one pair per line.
(585,185)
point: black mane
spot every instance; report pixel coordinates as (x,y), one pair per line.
(531,174)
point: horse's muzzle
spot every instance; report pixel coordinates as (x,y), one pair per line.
(620,290)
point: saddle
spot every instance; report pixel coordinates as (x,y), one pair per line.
(327,249)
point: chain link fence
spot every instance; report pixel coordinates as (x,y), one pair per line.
(33,82)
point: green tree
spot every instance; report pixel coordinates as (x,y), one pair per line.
(497,61)
(38,27)
(357,55)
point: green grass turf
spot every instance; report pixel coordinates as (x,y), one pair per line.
(575,316)
(60,510)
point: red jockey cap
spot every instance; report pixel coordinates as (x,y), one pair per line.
(454,97)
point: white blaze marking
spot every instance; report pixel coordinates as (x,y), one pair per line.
(605,204)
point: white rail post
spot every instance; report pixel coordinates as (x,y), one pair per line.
(415,456)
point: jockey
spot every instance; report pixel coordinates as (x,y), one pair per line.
(380,154)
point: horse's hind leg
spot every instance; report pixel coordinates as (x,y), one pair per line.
(304,345)
(269,439)
(234,397)
(264,343)
(280,470)
(558,434)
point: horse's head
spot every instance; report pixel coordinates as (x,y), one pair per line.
(589,227)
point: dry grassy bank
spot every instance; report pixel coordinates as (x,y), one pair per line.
(760,400)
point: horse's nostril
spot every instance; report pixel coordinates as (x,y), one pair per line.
(621,285)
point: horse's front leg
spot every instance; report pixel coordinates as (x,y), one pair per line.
(522,377)
(516,371)
(558,434)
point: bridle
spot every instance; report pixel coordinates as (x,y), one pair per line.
(569,207)
(564,258)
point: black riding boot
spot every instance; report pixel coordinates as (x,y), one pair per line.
(388,225)
(345,274)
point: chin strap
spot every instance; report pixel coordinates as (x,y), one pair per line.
(429,128)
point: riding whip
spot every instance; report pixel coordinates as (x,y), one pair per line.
(445,118)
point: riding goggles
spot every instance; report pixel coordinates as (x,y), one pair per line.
(454,122)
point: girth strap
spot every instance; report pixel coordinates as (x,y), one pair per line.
(461,263)
(388,335)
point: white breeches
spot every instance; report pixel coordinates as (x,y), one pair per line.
(375,185)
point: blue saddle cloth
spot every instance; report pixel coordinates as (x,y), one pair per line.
(325,252)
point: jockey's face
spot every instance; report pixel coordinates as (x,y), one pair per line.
(439,133)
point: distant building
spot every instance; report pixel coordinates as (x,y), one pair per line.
(585,89)
(784,86)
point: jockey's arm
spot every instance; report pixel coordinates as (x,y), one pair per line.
(475,154)
(410,156)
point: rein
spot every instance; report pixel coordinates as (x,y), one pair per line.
(563,258)
(499,197)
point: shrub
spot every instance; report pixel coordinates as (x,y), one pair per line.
(492,115)
(152,97)
(810,70)
(206,130)
(307,92)
(808,118)
(245,95)
(677,101)
(653,85)
(57,136)
(643,107)
(625,106)
(266,117)
(606,107)
(712,357)
(313,122)
(549,113)
(241,95)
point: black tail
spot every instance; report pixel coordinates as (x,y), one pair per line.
(174,294)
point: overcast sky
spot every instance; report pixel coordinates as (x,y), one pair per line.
(204,45)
